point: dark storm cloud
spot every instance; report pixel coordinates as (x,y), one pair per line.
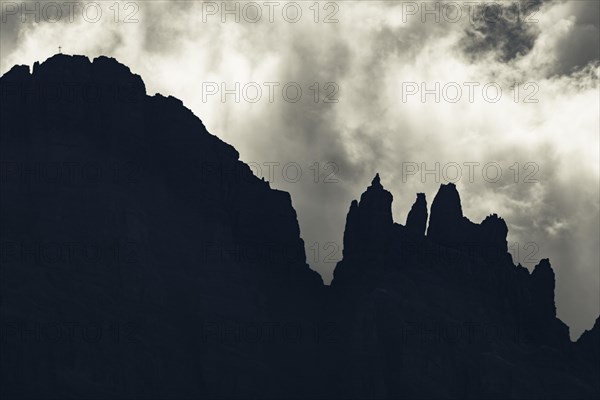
(509,30)
(582,45)
(505,29)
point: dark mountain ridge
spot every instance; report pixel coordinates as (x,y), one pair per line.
(448,315)
(142,259)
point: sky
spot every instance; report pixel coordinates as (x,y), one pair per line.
(501,98)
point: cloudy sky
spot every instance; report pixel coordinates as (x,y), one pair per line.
(421,92)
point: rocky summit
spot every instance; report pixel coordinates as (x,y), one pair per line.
(142,259)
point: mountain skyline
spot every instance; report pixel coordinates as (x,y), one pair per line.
(373,55)
(141,258)
(71,92)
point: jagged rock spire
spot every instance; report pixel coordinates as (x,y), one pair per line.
(543,283)
(493,230)
(376,205)
(447,225)
(446,214)
(369,221)
(416,221)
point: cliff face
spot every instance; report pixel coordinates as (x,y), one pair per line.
(141,259)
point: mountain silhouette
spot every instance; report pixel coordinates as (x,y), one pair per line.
(141,258)
(448,315)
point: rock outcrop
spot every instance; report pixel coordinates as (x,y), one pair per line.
(449,227)
(451,316)
(369,223)
(416,220)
